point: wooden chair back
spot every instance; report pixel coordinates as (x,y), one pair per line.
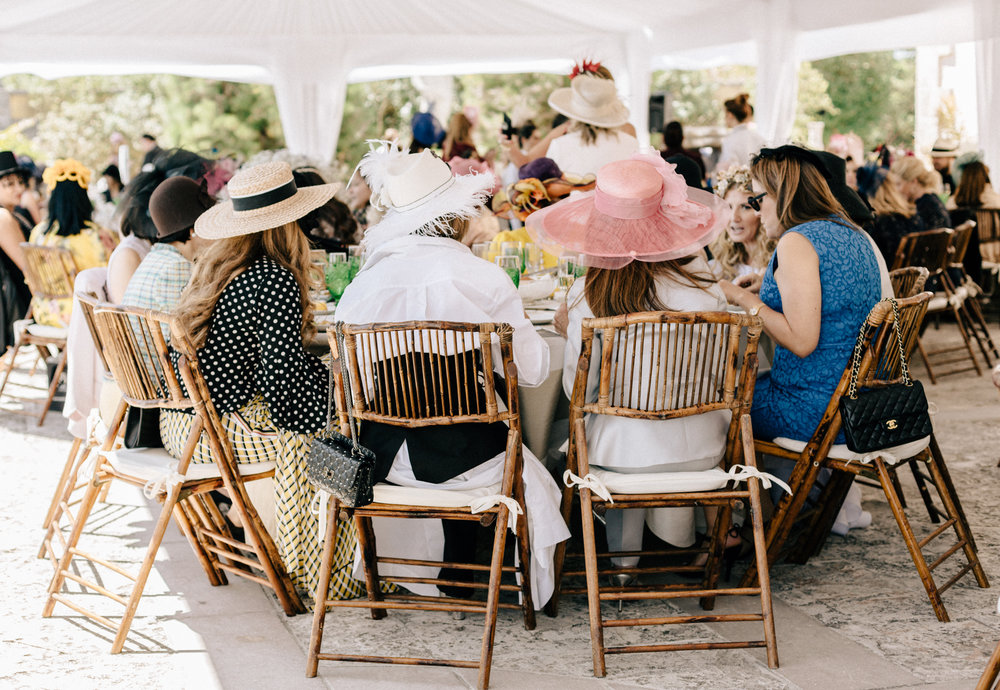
(429,373)
(909,281)
(49,271)
(988,224)
(886,366)
(665,365)
(136,354)
(928,249)
(88,302)
(960,237)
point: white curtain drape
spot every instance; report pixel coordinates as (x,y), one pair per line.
(311,105)
(987,15)
(777,70)
(639,58)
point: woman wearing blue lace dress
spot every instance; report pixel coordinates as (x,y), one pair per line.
(818,287)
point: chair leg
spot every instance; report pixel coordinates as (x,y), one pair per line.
(918,478)
(147,565)
(493,598)
(54,385)
(942,468)
(319,614)
(559,561)
(191,521)
(523,541)
(991,671)
(963,330)
(818,529)
(980,331)
(927,360)
(763,572)
(71,462)
(593,583)
(10,365)
(911,542)
(366,541)
(59,576)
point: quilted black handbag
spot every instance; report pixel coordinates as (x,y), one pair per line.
(338,464)
(878,418)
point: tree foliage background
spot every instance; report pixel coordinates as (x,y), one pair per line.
(871,94)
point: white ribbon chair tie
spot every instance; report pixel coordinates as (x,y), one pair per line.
(591,482)
(318,506)
(479,505)
(740,473)
(164,482)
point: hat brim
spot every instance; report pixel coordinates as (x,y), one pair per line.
(857,210)
(574,225)
(561,101)
(462,199)
(23,172)
(944,154)
(222,221)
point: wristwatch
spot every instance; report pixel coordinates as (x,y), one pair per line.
(755,310)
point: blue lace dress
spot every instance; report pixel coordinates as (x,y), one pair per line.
(790,399)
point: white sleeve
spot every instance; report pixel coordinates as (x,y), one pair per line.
(578,311)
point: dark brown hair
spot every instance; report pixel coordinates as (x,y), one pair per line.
(739,107)
(632,288)
(975,177)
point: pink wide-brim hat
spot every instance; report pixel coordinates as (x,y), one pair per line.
(640,210)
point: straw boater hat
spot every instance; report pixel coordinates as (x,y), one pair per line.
(641,210)
(592,100)
(262,197)
(945,146)
(418,191)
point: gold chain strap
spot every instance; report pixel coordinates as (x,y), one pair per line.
(859,348)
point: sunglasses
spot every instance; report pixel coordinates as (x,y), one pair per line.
(754,201)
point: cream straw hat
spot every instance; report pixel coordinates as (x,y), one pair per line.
(261,197)
(592,100)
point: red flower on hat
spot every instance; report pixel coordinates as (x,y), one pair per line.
(587,66)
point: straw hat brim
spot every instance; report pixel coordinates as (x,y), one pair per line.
(222,221)
(616,115)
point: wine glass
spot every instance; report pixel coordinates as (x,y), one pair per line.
(511,265)
(514,249)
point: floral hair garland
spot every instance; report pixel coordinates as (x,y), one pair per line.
(587,66)
(734,178)
(66,169)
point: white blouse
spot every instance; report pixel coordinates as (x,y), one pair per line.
(622,443)
(742,142)
(573,156)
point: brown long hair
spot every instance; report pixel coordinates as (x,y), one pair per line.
(975,177)
(632,288)
(225,259)
(798,188)
(739,107)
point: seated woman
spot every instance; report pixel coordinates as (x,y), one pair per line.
(69,226)
(331,227)
(974,192)
(918,184)
(15,225)
(418,269)
(651,263)
(599,131)
(247,312)
(894,215)
(744,248)
(819,286)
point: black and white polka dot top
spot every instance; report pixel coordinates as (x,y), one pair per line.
(254,345)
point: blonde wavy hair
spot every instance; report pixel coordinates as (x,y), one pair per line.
(225,259)
(910,168)
(888,200)
(730,255)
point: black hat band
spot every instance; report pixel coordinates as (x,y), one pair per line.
(268,198)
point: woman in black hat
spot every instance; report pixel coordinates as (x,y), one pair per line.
(15,224)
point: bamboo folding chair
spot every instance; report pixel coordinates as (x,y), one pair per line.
(658,366)
(69,482)
(421,374)
(909,281)
(880,366)
(988,681)
(969,289)
(932,249)
(50,272)
(988,227)
(136,352)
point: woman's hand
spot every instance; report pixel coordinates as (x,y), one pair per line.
(750,282)
(735,294)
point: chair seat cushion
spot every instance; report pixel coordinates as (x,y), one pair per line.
(438,498)
(662,482)
(151,464)
(891,456)
(940,300)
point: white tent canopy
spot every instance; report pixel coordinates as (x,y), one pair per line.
(311,49)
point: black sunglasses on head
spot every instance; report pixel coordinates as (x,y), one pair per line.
(789,151)
(754,201)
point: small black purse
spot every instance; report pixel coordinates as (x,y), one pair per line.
(887,416)
(338,464)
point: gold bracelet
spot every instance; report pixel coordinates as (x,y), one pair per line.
(756,310)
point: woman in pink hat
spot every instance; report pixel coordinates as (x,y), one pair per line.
(641,233)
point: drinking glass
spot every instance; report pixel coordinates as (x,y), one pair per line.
(337,257)
(339,273)
(482,250)
(532,257)
(514,249)
(566,272)
(511,265)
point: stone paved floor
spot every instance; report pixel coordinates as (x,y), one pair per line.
(854,617)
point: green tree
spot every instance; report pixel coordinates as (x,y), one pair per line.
(522,96)
(370,108)
(873,96)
